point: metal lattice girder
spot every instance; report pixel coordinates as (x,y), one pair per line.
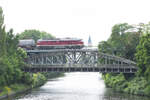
(47,58)
(75,58)
(123,60)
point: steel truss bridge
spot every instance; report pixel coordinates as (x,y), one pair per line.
(72,60)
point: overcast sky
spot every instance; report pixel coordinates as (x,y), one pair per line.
(74,18)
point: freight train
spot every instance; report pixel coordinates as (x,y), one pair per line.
(58,43)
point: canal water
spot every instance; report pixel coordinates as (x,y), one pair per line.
(76,86)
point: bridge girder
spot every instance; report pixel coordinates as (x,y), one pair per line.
(69,58)
(76,58)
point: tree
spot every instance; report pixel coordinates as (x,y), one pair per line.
(35,34)
(11,58)
(143,56)
(105,47)
(122,42)
(2,34)
(1,17)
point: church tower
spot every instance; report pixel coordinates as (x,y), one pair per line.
(89,41)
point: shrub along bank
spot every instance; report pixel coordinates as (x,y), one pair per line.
(34,80)
(134,85)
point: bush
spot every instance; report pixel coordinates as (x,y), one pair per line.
(38,79)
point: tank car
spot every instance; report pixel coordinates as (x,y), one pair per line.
(27,44)
(61,43)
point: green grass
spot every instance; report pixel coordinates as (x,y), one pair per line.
(13,88)
(18,87)
(3,92)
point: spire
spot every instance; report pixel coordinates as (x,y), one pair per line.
(89,41)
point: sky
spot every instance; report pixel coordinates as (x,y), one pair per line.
(74,18)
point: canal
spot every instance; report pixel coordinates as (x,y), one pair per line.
(76,86)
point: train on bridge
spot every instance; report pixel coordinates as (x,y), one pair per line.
(58,43)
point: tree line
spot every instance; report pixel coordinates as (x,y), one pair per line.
(12,60)
(11,57)
(130,42)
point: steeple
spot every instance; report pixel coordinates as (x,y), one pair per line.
(89,41)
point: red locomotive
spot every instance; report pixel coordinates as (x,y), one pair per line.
(65,43)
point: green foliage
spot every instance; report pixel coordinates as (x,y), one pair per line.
(17,87)
(147,90)
(2,41)
(143,56)
(35,34)
(1,17)
(114,81)
(12,60)
(105,47)
(38,79)
(8,89)
(27,78)
(136,85)
(122,42)
(11,57)
(131,44)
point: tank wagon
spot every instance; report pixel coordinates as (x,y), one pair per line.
(27,44)
(63,43)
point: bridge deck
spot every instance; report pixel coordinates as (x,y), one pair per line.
(78,69)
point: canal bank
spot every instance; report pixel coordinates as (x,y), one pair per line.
(13,92)
(134,85)
(38,80)
(76,86)
(35,80)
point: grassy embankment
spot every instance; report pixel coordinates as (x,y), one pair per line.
(36,80)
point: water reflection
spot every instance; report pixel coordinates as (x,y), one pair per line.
(77,86)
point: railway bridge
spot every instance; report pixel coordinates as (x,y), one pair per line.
(72,60)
